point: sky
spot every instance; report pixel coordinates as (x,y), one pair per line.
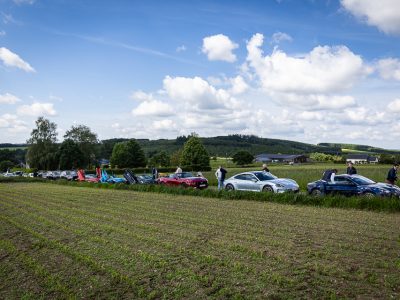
(305,70)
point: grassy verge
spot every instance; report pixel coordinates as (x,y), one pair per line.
(377,203)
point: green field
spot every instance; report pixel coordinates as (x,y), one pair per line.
(66,242)
(304,173)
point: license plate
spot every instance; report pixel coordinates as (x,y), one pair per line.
(203,184)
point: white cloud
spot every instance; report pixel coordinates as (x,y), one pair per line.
(13,60)
(19,2)
(8,99)
(141,96)
(362,115)
(37,109)
(384,14)
(278,37)
(181,48)
(310,116)
(324,70)
(239,86)
(153,108)
(394,106)
(389,68)
(12,123)
(165,124)
(219,47)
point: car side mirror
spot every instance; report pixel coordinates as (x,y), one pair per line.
(254,180)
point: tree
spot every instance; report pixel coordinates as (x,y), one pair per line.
(86,140)
(128,155)
(70,156)
(42,150)
(242,158)
(175,159)
(194,153)
(5,165)
(160,160)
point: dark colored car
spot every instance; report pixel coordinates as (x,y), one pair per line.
(184,179)
(352,185)
(145,179)
(69,175)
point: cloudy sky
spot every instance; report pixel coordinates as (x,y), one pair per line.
(305,70)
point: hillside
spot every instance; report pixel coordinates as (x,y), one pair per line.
(354,148)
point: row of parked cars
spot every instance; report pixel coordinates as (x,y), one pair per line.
(257,181)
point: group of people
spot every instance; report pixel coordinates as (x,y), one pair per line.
(329,175)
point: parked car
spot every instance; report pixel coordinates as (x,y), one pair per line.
(352,185)
(260,181)
(105,178)
(184,179)
(69,175)
(145,179)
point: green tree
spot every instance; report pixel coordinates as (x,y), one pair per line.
(70,156)
(175,159)
(42,149)
(5,165)
(194,153)
(128,155)
(86,140)
(160,160)
(242,158)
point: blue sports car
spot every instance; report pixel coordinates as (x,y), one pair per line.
(352,185)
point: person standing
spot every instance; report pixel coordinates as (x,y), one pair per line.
(329,175)
(220,174)
(351,170)
(265,168)
(178,170)
(392,174)
(154,173)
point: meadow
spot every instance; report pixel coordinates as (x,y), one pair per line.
(61,242)
(302,173)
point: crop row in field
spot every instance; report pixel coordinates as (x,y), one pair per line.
(63,242)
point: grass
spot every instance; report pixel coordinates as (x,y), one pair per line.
(306,173)
(63,242)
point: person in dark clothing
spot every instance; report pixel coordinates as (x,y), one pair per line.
(329,175)
(220,174)
(392,174)
(351,170)
(154,173)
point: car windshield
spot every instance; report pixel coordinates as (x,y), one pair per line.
(185,175)
(362,180)
(265,176)
(145,177)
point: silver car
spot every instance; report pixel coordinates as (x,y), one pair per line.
(260,181)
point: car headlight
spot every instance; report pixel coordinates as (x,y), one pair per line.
(279,185)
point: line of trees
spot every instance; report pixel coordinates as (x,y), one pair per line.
(82,149)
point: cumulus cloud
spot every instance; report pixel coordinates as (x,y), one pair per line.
(238,84)
(394,106)
(12,123)
(389,68)
(37,109)
(165,124)
(13,60)
(141,96)
(325,69)
(384,14)
(310,116)
(278,37)
(363,116)
(8,99)
(153,108)
(219,47)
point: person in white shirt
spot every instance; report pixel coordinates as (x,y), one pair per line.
(178,170)
(220,174)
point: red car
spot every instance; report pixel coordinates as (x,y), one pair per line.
(184,179)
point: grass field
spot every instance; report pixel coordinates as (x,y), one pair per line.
(306,173)
(65,242)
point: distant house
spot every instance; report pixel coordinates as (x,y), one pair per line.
(362,159)
(285,158)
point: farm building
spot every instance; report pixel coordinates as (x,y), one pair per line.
(362,159)
(285,158)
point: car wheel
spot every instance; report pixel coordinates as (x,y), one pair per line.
(369,195)
(229,187)
(268,189)
(316,193)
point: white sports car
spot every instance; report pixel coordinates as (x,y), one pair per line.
(260,181)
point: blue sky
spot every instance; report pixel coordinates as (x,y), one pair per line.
(311,71)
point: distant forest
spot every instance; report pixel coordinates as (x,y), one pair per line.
(225,146)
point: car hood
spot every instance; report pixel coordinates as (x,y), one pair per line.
(283,181)
(386,186)
(195,179)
